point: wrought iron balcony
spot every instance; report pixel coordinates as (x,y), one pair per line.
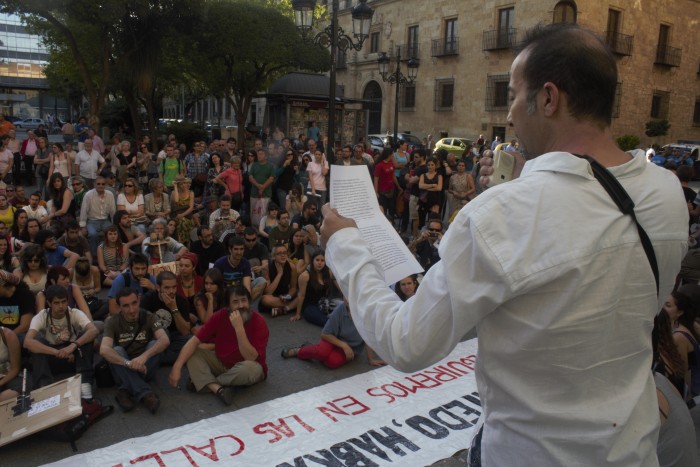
(499,39)
(668,56)
(620,44)
(445,47)
(408,51)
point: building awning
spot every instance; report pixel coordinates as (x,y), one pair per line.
(307,85)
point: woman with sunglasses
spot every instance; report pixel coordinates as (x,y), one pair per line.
(59,163)
(131,200)
(33,267)
(78,186)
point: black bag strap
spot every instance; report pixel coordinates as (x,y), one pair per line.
(626,205)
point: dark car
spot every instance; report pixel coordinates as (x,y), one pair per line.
(388,140)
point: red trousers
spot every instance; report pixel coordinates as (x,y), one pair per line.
(325,352)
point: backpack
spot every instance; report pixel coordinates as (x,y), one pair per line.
(72,430)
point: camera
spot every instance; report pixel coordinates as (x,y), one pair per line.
(432,234)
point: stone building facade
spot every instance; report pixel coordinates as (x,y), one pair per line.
(465,49)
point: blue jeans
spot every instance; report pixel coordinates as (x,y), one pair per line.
(95,235)
(131,380)
(314,315)
(177,342)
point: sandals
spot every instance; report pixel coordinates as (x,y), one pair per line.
(291,352)
(275,312)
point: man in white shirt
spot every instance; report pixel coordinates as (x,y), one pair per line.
(36,210)
(96,212)
(564,307)
(89,163)
(223,218)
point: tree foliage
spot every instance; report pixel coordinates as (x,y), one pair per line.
(657,128)
(628,142)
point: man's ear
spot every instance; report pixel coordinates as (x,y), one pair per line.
(550,98)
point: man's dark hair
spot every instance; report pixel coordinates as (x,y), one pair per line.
(42,236)
(55,273)
(238,290)
(37,194)
(419,152)
(308,205)
(231,139)
(137,258)
(201,230)
(165,276)
(125,292)
(250,231)
(225,198)
(53,292)
(245,220)
(235,240)
(577,62)
(684,173)
(72,225)
(282,211)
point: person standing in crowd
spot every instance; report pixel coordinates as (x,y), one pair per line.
(28,150)
(574,307)
(89,163)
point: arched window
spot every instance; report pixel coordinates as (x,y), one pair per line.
(565,12)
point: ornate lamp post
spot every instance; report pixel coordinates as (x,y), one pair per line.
(397,78)
(334,37)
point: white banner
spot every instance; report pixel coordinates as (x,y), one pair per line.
(382,417)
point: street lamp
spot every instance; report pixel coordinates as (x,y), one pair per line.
(334,37)
(398,79)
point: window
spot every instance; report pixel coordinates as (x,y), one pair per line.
(374,42)
(341,60)
(444,94)
(659,104)
(348,3)
(616,102)
(408,97)
(696,112)
(497,92)
(506,17)
(412,44)
(565,12)
(450,35)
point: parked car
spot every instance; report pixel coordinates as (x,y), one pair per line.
(375,143)
(30,123)
(13,119)
(387,141)
(454,146)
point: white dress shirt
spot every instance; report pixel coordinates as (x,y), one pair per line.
(88,163)
(96,207)
(556,280)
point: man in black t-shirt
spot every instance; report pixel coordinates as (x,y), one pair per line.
(172,310)
(133,342)
(307,216)
(17,304)
(207,249)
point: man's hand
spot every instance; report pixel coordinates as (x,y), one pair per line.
(168,301)
(66,352)
(146,284)
(236,320)
(376,362)
(174,377)
(295,317)
(139,364)
(487,167)
(333,222)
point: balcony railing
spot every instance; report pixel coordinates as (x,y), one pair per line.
(445,47)
(668,56)
(409,51)
(620,44)
(499,39)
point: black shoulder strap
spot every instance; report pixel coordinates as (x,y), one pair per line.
(626,205)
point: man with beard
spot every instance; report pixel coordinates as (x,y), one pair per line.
(72,240)
(56,255)
(207,249)
(282,233)
(135,278)
(96,210)
(173,312)
(133,342)
(234,267)
(129,234)
(240,338)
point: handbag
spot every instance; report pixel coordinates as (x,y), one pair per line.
(200,179)
(258,209)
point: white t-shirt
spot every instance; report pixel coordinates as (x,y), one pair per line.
(6,161)
(88,163)
(56,331)
(37,213)
(131,208)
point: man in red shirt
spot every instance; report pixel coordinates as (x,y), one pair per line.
(240,338)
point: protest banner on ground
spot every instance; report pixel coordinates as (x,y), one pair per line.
(382,417)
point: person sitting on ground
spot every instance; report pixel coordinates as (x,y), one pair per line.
(73,241)
(10,363)
(86,278)
(340,342)
(16,303)
(31,229)
(299,255)
(207,249)
(112,255)
(257,254)
(406,287)
(131,200)
(58,275)
(136,278)
(224,218)
(56,255)
(129,235)
(240,337)
(212,297)
(172,310)
(189,283)
(171,248)
(33,268)
(307,216)
(157,202)
(282,233)
(8,261)
(425,246)
(35,210)
(267,223)
(315,283)
(280,293)
(182,207)
(133,343)
(60,340)
(295,200)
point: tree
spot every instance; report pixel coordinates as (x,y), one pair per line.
(245,46)
(81,29)
(628,142)
(657,128)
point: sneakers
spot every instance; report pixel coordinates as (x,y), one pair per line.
(225,393)
(124,400)
(151,402)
